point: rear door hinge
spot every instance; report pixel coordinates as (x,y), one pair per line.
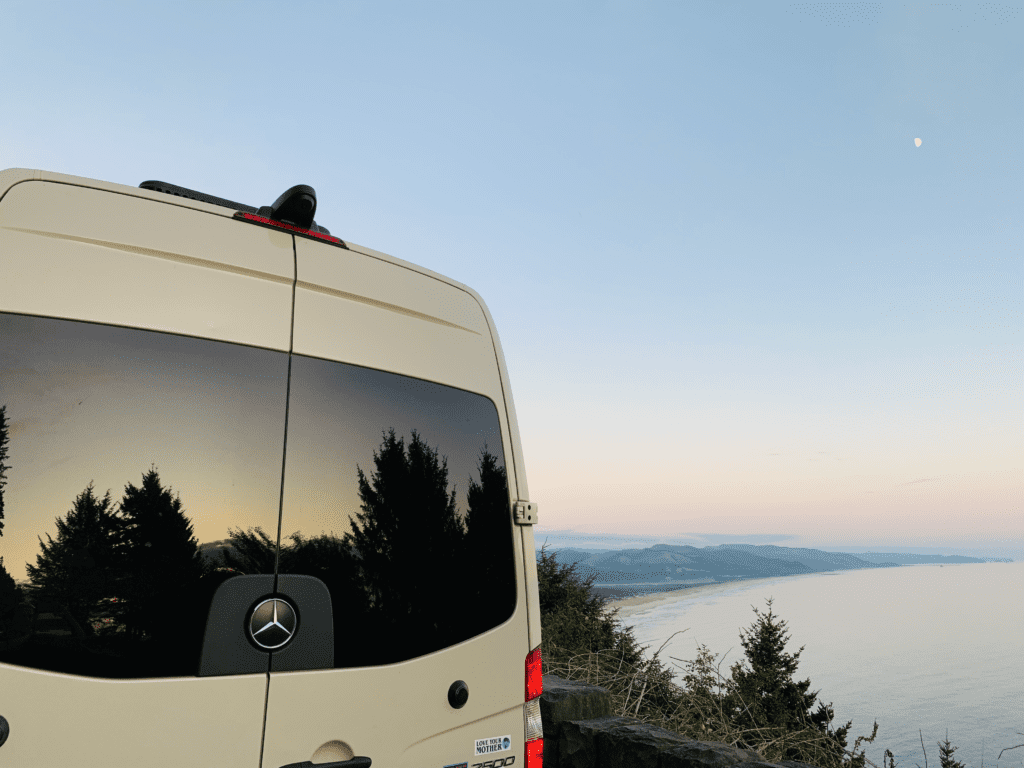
(525,512)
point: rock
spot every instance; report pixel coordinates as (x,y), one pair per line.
(565,700)
(711,754)
(617,742)
(582,731)
(594,743)
(634,743)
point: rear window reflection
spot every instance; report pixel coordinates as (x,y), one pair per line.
(140,470)
(396,494)
(127,458)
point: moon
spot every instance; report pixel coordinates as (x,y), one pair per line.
(917,142)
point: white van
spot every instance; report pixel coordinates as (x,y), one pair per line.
(262,494)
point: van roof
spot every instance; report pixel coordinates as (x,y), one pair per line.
(201,202)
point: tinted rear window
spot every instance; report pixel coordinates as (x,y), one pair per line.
(140,470)
(129,456)
(398,487)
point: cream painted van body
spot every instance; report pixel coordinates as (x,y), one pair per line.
(184,391)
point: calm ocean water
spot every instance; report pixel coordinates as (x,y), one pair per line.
(916,647)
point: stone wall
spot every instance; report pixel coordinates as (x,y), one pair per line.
(581,731)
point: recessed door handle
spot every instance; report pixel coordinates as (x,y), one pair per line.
(355,762)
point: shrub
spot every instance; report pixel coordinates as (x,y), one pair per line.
(760,707)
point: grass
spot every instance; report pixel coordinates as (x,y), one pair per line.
(583,641)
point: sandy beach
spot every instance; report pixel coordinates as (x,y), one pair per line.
(631,606)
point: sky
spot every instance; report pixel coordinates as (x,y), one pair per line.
(738,300)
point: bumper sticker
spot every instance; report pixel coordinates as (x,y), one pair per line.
(492,745)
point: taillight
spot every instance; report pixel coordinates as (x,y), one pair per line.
(534,729)
(256,219)
(535,753)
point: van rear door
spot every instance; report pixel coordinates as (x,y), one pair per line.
(397,499)
(143,350)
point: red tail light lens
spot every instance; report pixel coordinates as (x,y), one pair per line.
(535,754)
(534,676)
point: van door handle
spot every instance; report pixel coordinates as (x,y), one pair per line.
(355,762)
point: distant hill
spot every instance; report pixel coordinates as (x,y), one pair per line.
(907,559)
(626,572)
(815,559)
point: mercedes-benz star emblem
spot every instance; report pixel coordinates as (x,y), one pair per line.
(273,623)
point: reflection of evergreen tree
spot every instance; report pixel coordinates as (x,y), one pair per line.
(251,551)
(314,556)
(408,538)
(4,437)
(15,615)
(326,557)
(409,578)
(158,558)
(10,594)
(329,559)
(489,554)
(75,570)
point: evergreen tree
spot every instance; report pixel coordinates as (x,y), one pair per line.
(4,439)
(158,558)
(706,688)
(946,751)
(75,571)
(574,619)
(766,696)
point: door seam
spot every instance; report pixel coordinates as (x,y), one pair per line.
(280,499)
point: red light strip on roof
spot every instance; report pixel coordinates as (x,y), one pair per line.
(291,228)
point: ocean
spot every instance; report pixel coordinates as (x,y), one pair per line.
(924,647)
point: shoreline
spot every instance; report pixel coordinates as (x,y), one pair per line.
(633,604)
(630,606)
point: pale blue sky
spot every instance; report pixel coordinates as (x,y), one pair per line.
(734,297)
